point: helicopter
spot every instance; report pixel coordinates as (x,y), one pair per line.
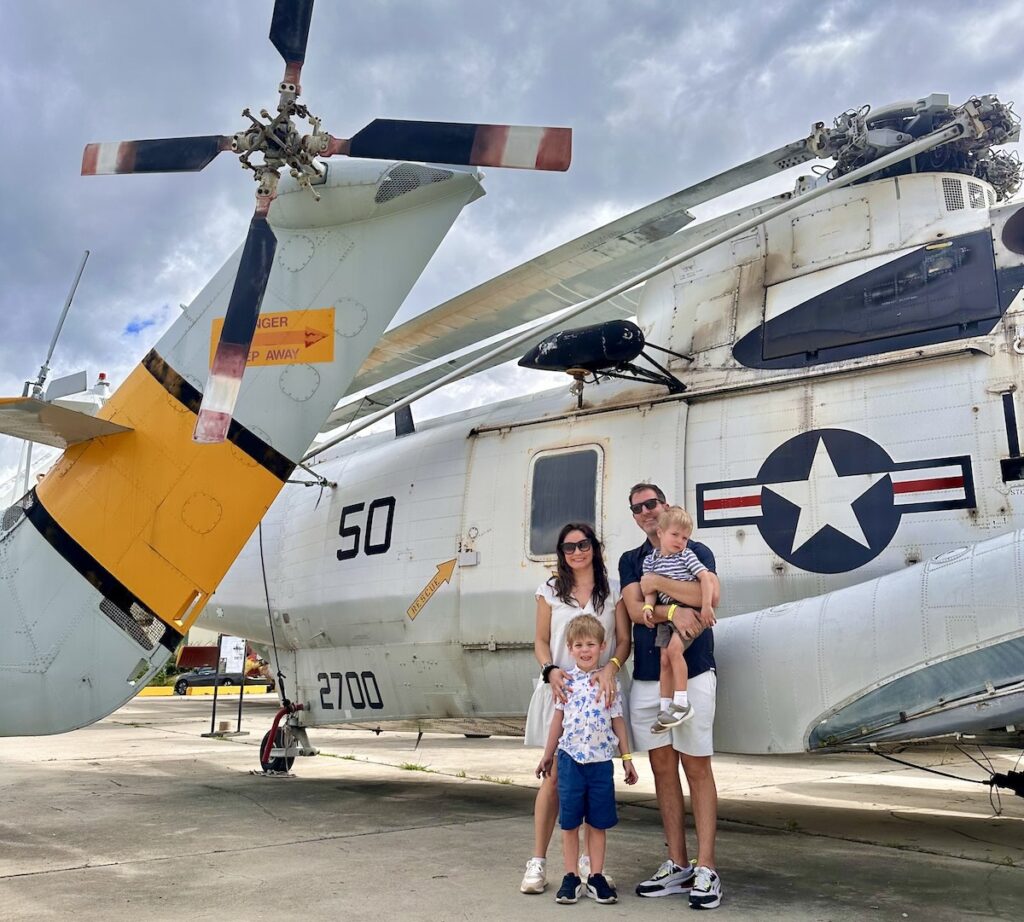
(400,585)
(827,378)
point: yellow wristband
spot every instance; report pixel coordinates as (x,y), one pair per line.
(648,608)
(615,660)
(626,757)
(671,612)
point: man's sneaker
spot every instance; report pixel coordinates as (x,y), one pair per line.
(706,892)
(584,871)
(536,878)
(600,890)
(674,715)
(569,892)
(668,879)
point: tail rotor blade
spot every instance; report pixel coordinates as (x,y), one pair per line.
(519,146)
(159,155)
(222,386)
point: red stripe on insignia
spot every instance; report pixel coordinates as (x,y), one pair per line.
(935,483)
(732,502)
(555,151)
(489,145)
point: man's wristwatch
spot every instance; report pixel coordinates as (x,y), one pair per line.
(545,671)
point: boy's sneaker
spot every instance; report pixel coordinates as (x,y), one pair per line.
(706,892)
(667,880)
(569,892)
(584,871)
(674,715)
(536,878)
(600,890)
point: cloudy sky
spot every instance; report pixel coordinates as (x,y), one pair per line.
(660,93)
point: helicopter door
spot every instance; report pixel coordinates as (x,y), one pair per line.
(527,481)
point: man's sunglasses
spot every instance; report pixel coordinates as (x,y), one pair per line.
(648,504)
(568,547)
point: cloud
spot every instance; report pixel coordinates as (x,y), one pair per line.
(659,95)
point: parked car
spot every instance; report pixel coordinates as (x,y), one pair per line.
(207,675)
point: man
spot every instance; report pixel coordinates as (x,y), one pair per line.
(690,743)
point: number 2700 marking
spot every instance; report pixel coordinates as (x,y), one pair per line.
(360,688)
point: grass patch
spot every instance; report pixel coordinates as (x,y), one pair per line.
(461,773)
(495,780)
(414,767)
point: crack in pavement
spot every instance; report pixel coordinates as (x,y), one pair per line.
(257,847)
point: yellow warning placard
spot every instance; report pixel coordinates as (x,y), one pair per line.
(287,337)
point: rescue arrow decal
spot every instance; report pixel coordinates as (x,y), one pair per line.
(443,575)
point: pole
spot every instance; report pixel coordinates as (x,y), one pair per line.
(28,466)
(904,153)
(241,692)
(37,388)
(216,687)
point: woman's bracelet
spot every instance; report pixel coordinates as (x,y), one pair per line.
(648,608)
(546,670)
(618,665)
(626,757)
(671,612)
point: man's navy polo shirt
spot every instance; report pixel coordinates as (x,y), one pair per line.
(700,655)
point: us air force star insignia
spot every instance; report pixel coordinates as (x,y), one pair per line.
(830,500)
(826,498)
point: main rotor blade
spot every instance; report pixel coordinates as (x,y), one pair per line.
(521,146)
(159,155)
(225,379)
(289,29)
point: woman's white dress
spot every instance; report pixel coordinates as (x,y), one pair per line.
(542,704)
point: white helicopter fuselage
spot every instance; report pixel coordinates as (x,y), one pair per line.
(849,423)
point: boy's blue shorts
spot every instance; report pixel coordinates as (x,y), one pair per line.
(586,791)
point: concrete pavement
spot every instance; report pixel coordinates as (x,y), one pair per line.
(139,817)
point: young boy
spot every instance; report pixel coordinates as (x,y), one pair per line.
(675,561)
(587,734)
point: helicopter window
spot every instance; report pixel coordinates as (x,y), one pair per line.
(563,488)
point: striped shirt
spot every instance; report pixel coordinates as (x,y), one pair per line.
(683,565)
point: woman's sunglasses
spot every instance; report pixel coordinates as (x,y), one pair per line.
(648,504)
(568,547)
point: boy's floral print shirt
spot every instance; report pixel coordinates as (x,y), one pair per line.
(587,734)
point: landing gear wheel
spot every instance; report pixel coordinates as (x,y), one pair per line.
(180,688)
(279,763)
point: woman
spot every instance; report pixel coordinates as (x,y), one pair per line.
(580,586)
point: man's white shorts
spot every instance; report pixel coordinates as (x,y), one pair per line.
(693,738)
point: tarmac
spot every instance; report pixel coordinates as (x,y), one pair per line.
(140,817)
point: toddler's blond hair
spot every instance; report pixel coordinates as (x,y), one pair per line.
(676,515)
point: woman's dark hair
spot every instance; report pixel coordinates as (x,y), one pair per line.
(562,581)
